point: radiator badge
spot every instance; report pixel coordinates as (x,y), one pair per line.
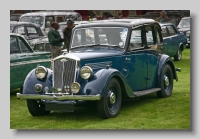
(63,60)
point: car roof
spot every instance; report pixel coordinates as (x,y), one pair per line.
(166,23)
(21,23)
(75,22)
(49,13)
(134,22)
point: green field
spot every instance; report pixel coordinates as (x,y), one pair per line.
(148,112)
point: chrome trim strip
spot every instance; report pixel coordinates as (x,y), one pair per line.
(28,62)
(67,97)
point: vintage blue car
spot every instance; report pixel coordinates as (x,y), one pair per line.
(104,69)
(174,40)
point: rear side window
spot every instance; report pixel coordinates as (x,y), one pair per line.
(171,30)
(164,32)
(14,48)
(20,30)
(32,31)
(149,35)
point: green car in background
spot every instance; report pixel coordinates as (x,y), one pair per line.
(23,59)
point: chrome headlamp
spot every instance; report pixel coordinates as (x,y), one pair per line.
(75,87)
(41,72)
(86,72)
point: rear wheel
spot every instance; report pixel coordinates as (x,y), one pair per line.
(36,109)
(166,82)
(110,104)
(178,55)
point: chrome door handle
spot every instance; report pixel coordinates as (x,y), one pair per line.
(128,59)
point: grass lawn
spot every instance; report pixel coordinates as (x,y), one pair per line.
(148,112)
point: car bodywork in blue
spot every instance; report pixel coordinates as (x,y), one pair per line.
(174,41)
(105,69)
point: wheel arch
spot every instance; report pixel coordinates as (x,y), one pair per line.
(165,59)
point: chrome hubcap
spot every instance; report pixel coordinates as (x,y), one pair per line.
(166,79)
(112,98)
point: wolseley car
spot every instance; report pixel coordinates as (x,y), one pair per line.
(184,26)
(23,59)
(102,70)
(30,31)
(174,40)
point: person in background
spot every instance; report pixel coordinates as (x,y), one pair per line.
(55,40)
(67,32)
(163,17)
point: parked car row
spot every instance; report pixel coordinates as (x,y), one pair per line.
(23,59)
(105,68)
(44,19)
(184,26)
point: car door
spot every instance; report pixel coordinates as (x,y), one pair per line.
(154,43)
(18,70)
(23,60)
(173,48)
(135,61)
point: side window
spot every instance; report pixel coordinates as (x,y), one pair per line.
(171,30)
(48,21)
(32,31)
(19,30)
(136,39)
(158,34)
(164,32)
(149,35)
(23,46)
(14,48)
(59,19)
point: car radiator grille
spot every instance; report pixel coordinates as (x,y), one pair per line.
(64,73)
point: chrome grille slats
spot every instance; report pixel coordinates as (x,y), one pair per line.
(64,73)
(57,76)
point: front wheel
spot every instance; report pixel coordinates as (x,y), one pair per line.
(110,104)
(166,82)
(178,55)
(36,109)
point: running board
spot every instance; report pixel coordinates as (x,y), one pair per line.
(145,92)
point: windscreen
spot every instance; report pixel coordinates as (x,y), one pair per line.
(38,20)
(111,36)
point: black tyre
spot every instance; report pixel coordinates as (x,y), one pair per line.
(178,55)
(110,103)
(166,82)
(36,109)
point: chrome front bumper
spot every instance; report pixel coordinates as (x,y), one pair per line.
(54,97)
